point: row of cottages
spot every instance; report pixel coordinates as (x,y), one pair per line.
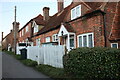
(81,24)
(8,41)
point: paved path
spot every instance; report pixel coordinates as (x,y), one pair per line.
(12,68)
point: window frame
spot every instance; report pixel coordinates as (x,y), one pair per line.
(112,45)
(54,37)
(75,12)
(87,38)
(46,40)
(26,29)
(38,42)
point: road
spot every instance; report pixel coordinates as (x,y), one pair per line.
(12,68)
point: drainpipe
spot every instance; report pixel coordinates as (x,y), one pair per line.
(105,34)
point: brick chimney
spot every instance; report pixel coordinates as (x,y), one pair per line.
(60,5)
(2,36)
(46,13)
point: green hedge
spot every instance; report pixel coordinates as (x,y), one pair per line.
(93,63)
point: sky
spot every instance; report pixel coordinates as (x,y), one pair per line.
(26,10)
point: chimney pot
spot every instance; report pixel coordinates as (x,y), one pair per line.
(60,5)
(46,13)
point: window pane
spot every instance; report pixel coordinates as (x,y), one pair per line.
(84,41)
(90,40)
(71,42)
(78,11)
(73,13)
(80,41)
(114,45)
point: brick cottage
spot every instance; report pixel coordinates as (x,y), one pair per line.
(81,24)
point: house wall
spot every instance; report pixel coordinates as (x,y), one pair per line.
(87,25)
(26,34)
(43,36)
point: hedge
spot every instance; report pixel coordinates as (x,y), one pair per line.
(93,63)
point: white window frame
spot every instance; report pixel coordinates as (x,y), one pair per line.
(47,39)
(26,29)
(54,37)
(35,28)
(86,34)
(38,42)
(76,15)
(114,43)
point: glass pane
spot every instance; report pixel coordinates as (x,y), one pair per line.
(73,13)
(78,11)
(80,41)
(71,42)
(114,45)
(84,41)
(90,40)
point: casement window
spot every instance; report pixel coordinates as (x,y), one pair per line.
(26,29)
(38,42)
(55,38)
(76,12)
(114,45)
(86,40)
(47,39)
(35,28)
(72,42)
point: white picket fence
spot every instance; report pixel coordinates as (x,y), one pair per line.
(49,55)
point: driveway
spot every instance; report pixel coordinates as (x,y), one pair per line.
(12,68)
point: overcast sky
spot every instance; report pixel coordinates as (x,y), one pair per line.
(26,10)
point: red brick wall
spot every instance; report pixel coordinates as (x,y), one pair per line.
(26,34)
(43,36)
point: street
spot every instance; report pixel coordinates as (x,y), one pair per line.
(12,68)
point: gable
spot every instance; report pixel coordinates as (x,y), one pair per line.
(62,29)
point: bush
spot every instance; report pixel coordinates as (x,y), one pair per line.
(93,63)
(29,62)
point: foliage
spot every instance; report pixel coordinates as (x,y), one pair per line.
(29,62)
(51,71)
(93,63)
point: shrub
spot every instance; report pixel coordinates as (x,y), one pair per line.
(93,63)
(29,62)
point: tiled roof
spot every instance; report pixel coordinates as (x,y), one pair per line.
(55,21)
(39,21)
(68,27)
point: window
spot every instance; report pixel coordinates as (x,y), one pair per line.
(38,42)
(35,28)
(72,42)
(76,12)
(47,39)
(26,28)
(86,40)
(114,45)
(55,38)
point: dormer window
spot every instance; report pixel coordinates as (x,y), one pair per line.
(35,28)
(76,12)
